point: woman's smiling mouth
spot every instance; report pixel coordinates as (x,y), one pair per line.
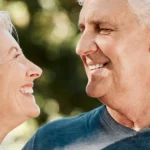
(27,89)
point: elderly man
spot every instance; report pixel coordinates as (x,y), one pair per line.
(115,50)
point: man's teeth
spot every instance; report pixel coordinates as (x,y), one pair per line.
(26,90)
(97,66)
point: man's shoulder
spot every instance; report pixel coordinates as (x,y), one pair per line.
(74,127)
(65,131)
(69,124)
(63,124)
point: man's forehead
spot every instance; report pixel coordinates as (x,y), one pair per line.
(98,3)
(96,9)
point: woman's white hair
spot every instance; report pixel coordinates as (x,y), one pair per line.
(5,21)
(80,2)
(141,8)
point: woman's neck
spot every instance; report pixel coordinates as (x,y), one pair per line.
(7,124)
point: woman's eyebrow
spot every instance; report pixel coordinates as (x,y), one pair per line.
(15,47)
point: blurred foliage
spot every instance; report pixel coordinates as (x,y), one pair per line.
(48,35)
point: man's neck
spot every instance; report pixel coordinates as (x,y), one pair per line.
(142,122)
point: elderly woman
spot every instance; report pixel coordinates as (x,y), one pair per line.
(17,74)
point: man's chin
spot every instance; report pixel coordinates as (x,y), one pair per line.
(91,92)
(96,90)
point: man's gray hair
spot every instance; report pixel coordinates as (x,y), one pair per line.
(141,8)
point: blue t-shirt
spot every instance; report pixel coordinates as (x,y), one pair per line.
(94,130)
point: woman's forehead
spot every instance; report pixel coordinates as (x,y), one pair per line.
(7,42)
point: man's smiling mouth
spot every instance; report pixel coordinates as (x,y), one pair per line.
(97,66)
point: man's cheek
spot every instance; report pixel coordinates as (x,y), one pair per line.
(107,46)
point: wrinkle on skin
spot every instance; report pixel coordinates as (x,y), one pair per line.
(7,65)
(6,62)
(19,106)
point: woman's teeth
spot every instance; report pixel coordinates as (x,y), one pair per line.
(26,90)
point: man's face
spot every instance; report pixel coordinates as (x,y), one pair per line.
(17,74)
(115,51)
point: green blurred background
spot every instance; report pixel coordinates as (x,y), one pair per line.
(48,35)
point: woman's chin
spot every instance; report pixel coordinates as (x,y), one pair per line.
(34,112)
(28,105)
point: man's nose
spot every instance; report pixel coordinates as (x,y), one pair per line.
(86,44)
(34,71)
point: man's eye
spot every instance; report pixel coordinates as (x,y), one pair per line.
(105,31)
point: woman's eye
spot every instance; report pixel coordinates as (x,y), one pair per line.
(17,55)
(81,30)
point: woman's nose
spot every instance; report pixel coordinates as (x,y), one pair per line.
(34,71)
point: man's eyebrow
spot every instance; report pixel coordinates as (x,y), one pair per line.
(97,22)
(103,22)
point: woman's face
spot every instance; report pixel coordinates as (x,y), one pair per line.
(17,75)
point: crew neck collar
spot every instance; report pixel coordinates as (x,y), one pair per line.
(114,125)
